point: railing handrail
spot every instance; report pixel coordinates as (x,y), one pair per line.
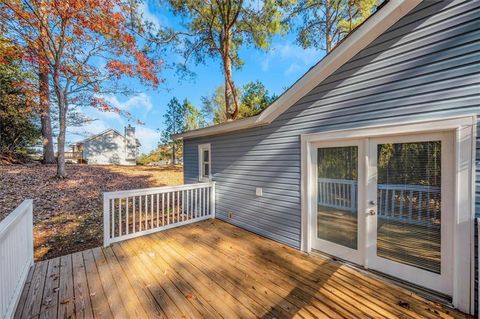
(335,180)
(154,190)
(14,217)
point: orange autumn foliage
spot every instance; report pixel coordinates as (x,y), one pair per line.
(49,29)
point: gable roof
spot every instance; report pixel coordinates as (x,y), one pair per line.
(98,135)
(360,38)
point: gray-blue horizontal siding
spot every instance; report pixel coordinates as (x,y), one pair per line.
(426,65)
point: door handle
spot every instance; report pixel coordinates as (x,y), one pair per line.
(372,212)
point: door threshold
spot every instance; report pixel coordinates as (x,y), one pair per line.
(422,291)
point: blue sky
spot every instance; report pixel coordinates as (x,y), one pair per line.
(278,68)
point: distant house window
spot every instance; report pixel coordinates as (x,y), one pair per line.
(204,162)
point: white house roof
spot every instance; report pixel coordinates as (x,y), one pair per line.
(98,135)
(103,133)
(378,23)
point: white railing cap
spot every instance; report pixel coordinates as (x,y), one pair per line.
(155,190)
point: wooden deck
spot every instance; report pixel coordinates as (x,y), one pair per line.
(211,269)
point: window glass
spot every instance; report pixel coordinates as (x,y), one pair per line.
(204,162)
(337,195)
(409,204)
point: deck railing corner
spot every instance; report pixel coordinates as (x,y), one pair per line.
(16,255)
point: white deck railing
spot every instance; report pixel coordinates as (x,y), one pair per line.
(413,203)
(16,256)
(133,213)
(337,193)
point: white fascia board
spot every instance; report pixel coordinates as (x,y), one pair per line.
(220,128)
(373,27)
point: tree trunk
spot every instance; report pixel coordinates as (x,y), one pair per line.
(62,118)
(328,27)
(231,99)
(45,119)
(173,153)
(43,72)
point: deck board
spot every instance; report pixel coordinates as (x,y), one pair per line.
(212,270)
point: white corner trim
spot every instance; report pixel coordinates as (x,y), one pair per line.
(378,23)
(465,128)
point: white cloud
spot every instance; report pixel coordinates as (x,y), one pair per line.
(148,15)
(138,101)
(292,69)
(148,137)
(265,64)
(287,51)
(155,18)
(75,134)
(295,57)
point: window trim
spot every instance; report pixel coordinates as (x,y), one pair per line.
(201,149)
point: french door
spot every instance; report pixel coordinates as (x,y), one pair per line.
(387,203)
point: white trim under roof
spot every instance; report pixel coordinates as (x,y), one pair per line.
(373,27)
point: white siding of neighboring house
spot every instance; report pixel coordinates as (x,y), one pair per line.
(108,149)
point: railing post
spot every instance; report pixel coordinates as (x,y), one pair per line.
(30,229)
(106,220)
(212,200)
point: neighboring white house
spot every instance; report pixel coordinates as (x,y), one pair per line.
(107,147)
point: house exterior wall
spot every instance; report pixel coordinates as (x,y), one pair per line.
(426,65)
(107,149)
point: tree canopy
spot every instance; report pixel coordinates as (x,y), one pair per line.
(254,98)
(219,29)
(85,46)
(323,23)
(178,118)
(19,127)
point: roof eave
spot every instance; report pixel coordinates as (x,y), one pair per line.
(240,124)
(378,23)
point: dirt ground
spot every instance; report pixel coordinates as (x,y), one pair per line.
(68,213)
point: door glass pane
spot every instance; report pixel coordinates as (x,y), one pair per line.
(337,195)
(409,203)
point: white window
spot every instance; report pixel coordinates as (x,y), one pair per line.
(204,163)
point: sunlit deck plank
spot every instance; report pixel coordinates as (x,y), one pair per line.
(83,305)
(109,286)
(148,302)
(49,307)
(155,288)
(66,306)
(212,270)
(33,302)
(98,299)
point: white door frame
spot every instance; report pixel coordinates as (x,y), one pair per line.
(464,128)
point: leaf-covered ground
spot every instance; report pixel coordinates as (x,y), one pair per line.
(68,213)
